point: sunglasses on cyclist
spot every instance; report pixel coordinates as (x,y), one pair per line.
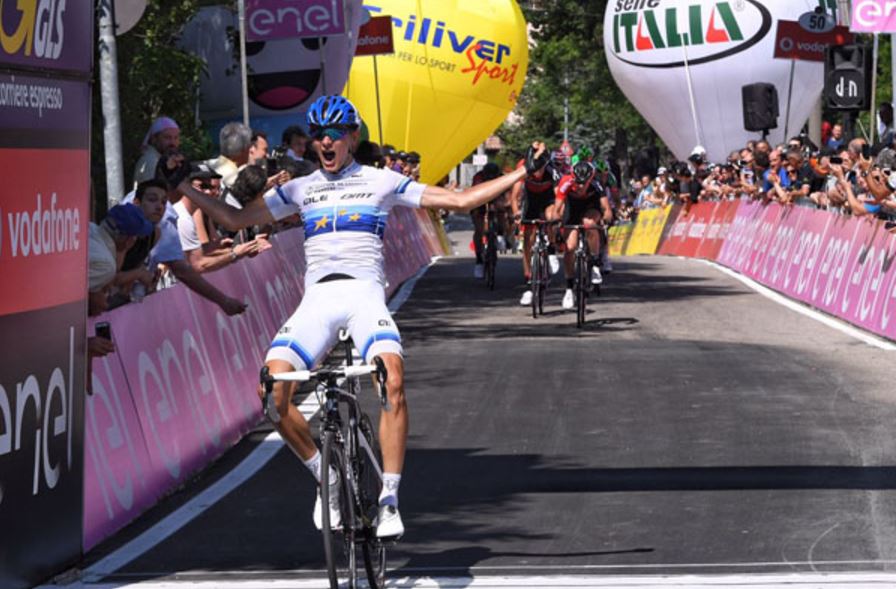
(334,132)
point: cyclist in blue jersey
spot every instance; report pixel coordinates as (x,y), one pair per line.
(345,208)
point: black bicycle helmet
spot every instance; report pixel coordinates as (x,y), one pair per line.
(584,172)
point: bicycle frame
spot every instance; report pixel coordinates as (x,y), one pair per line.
(582,282)
(540,275)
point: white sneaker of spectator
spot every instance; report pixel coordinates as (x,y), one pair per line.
(569,299)
(554,263)
(526,299)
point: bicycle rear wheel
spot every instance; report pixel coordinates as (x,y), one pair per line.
(370,484)
(545,278)
(332,460)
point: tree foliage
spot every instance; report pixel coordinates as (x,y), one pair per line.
(154,78)
(567,60)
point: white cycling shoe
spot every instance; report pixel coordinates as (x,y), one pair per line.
(478,271)
(596,278)
(526,299)
(554,263)
(335,513)
(569,300)
(388,523)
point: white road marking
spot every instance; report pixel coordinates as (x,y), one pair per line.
(250,465)
(802,309)
(740,581)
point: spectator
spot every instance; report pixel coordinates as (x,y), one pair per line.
(412,167)
(258,150)
(214,254)
(389,160)
(885,123)
(295,142)
(163,247)
(117,233)
(836,140)
(369,154)
(775,179)
(162,139)
(235,141)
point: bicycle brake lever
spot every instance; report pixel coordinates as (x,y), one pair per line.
(267,404)
(381,375)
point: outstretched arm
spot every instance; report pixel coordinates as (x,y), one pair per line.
(231,218)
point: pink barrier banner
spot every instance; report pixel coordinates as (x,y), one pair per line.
(841,265)
(181,388)
(717,230)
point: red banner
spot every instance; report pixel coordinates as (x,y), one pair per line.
(375,38)
(795,42)
(44,228)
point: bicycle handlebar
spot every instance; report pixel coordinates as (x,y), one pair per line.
(538,222)
(584,228)
(306,375)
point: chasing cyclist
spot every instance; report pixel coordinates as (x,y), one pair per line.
(345,207)
(489,172)
(533,199)
(581,200)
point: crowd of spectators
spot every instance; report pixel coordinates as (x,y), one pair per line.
(845,176)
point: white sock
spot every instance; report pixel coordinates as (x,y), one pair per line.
(313,464)
(389,494)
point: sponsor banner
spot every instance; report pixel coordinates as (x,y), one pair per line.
(717,229)
(48,35)
(648,230)
(28,103)
(375,38)
(187,391)
(267,20)
(795,42)
(41,431)
(714,47)
(44,229)
(873,16)
(619,236)
(688,230)
(841,265)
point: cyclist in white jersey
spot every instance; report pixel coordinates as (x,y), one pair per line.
(345,206)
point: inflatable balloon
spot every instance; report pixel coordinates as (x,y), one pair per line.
(457,70)
(723,45)
(285,75)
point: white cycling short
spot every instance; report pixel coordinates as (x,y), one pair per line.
(359,306)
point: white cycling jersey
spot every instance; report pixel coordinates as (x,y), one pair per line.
(345,217)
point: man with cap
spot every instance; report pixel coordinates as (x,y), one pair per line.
(109,241)
(209,254)
(162,139)
(412,166)
(163,247)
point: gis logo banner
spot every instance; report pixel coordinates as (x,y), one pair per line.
(32,28)
(658,33)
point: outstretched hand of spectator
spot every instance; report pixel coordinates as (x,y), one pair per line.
(865,163)
(232,306)
(97,347)
(278,179)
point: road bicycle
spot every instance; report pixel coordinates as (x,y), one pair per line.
(349,447)
(582,286)
(540,271)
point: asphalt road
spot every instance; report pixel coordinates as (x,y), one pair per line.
(693,426)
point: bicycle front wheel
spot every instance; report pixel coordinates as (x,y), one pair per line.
(581,289)
(337,559)
(535,282)
(370,483)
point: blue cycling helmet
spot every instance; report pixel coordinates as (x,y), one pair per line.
(332,110)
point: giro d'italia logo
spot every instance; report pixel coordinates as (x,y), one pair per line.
(666,33)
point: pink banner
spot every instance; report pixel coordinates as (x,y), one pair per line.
(873,16)
(181,388)
(841,265)
(267,20)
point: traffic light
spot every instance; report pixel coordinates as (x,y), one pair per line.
(847,77)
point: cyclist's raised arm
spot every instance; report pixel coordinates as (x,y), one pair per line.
(435,197)
(516,197)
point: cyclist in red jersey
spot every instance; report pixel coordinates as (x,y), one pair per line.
(581,200)
(489,172)
(532,198)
